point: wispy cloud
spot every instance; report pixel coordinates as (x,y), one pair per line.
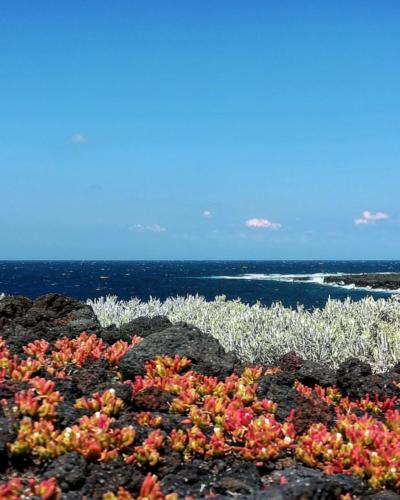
(153,228)
(207,214)
(369,218)
(262,224)
(78,138)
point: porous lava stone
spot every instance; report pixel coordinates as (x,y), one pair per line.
(141,327)
(355,379)
(206,353)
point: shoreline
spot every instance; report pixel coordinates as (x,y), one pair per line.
(384,282)
(374,281)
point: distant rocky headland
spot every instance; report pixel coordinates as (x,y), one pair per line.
(372,280)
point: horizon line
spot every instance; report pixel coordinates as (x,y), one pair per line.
(198,260)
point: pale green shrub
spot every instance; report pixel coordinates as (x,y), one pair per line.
(368,329)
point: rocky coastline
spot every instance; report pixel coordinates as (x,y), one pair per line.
(151,390)
(385,281)
(374,281)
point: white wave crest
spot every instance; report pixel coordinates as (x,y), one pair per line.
(313,278)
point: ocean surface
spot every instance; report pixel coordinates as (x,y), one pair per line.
(264,281)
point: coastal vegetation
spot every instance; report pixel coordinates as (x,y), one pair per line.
(367,329)
(154,410)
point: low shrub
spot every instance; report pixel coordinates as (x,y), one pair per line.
(368,329)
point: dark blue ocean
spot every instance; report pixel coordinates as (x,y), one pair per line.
(264,281)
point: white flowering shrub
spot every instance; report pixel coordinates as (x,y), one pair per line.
(2,295)
(368,329)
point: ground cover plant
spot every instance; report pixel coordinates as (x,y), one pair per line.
(120,413)
(368,329)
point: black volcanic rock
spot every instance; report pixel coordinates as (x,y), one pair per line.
(50,317)
(145,326)
(7,434)
(13,309)
(311,373)
(350,376)
(206,353)
(70,470)
(48,311)
(58,310)
(355,379)
(279,388)
(290,362)
(142,327)
(106,476)
(389,281)
(304,483)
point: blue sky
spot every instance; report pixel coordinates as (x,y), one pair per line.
(200,130)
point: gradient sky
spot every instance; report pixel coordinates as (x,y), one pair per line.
(200,129)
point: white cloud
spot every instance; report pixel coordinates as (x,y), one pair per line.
(78,138)
(207,214)
(153,228)
(370,218)
(360,221)
(262,224)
